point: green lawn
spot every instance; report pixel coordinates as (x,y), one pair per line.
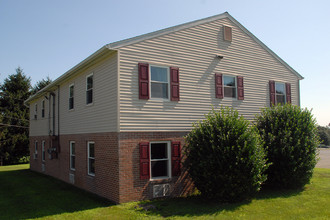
(25,194)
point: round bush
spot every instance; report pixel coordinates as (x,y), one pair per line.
(225,158)
(291,140)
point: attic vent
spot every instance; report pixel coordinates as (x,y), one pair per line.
(161,190)
(227,33)
(71,178)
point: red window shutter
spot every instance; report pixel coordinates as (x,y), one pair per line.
(240,88)
(176,157)
(218,86)
(288,92)
(272,92)
(143,80)
(175,88)
(144,161)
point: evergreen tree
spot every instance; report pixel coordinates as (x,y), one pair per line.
(14,132)
(41,84)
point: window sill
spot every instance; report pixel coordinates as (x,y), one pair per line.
(91,175)
(161,179)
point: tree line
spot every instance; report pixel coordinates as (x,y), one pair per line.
(14,116)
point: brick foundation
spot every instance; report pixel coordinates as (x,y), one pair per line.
(117,169)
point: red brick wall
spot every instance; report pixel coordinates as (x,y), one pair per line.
(131,186)
(117,169)
(104,183)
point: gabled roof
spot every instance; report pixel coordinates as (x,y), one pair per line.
(122,43)
(112,47)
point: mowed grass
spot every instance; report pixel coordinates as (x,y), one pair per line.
(25,194)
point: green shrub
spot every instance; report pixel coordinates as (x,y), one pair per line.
(324,133)
(24,159)
(225,158)
(291,140)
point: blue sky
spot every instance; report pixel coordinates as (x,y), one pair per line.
(47,38)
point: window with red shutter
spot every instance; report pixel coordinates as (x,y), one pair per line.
(240,88)
(175,88)
(288,92)
(218,86)
(272,92)
(176,159)
(143,80)
(144,160)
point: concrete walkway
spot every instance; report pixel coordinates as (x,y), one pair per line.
(324,161)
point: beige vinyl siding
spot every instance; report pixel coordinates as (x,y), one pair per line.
(193,50)
(101,116)
(39,126)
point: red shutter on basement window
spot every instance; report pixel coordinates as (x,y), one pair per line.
(144,161)
(175,88)
(240,88)
(176,157)
(143,80)
(218,86)
(288,92)
(272,92)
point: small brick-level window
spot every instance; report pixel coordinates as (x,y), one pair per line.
(91,158)
(35,150)
(43,150)
(71,96)
(72,155)
(89,89)
(159,160)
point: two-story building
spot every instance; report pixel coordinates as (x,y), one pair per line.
(114,124)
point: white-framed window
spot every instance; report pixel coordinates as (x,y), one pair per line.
(72,155)
(229,86)
(43,150)
(71,96)
(43,108)
(160,160)
(159,83)
(89,89)
(91,158)
(35,150)
(35,111)
(280,93)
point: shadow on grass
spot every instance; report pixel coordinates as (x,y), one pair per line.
(27,194)
(194,206)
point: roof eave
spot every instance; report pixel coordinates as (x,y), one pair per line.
(83,64)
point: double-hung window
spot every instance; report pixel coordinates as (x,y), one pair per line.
(160,160)
(159,82)
(89,89)
(43,150)
(71,95)
(43,108)
(91,158)
(229,85)
(35,149)
(35,111)
(280,93)
(72,155)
